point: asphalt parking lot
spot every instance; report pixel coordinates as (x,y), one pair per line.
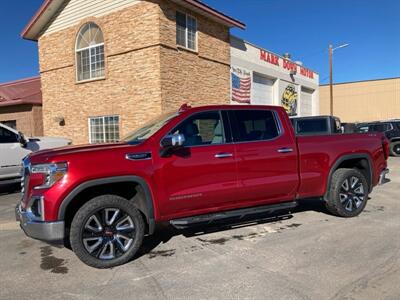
(306,254)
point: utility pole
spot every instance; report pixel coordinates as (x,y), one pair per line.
(331,49)
(330,79)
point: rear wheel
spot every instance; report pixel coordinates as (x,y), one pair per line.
(106,232)
(395,149)
(348,193)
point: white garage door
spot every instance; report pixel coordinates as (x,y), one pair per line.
(306,102)
(262,90)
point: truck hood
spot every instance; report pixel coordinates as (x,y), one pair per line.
(53,154)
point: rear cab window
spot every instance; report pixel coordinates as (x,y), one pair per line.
(254,125)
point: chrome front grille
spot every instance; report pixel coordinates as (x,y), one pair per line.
(25,173)
(22,182)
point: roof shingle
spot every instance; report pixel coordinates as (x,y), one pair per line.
(24,91)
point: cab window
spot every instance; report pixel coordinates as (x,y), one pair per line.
(204,128)
(7,136)
(254,125)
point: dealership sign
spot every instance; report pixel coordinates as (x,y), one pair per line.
(286,64)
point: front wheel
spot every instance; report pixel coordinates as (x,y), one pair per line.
(348,193)
(107,231)
(395,149)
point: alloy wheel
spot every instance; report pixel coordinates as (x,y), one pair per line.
(108,233)
(396,149)
(352,193)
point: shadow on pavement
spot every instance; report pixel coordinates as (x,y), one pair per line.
(6,189)
(166,232)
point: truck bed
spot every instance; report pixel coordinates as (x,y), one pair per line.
(319,153)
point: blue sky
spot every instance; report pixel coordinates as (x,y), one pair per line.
(302,28)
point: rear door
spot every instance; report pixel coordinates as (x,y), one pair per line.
(202,176)
(266,156)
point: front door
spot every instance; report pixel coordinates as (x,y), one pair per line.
(201,176)
(266,157)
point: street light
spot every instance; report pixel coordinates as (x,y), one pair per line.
(331,49)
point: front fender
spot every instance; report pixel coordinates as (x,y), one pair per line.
(147,207)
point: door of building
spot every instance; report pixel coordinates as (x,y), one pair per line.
(262,91)
(306,102)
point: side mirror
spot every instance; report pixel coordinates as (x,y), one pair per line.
(173,141)
(21,139)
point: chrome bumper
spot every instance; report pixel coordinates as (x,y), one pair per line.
(382,177)
(45,231)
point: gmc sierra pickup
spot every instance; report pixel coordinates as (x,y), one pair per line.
(188,167)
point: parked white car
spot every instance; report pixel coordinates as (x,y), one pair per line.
(14,147)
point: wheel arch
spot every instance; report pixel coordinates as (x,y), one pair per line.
(361,161)
(144,204)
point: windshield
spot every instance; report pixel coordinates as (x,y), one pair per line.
(148,129)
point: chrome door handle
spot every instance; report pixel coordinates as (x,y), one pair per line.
(223,155)
(285,150)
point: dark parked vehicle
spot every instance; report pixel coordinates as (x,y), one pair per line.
(391,129)
(316,125)
(349,127)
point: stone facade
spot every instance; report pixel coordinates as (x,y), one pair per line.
(28,118)
(145,72)
(198,78)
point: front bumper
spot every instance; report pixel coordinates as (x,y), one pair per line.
(45,231)
(382,177)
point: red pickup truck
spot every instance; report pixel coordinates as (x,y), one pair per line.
(188,167)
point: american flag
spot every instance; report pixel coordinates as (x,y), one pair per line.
(241,89)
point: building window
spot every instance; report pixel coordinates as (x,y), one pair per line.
(90,53)
(104,129)
(186,31)
(11,123)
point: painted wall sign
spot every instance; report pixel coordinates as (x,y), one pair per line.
(285,64)
(289,100)
(240,85)
(269,57)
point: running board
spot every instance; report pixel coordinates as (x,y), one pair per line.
(208,218)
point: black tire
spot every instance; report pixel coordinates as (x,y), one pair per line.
(348,203)
(395,149)
(91,225)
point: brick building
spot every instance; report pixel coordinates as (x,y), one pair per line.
(21,106)
(108,66)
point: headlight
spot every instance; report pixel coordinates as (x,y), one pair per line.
(51,173)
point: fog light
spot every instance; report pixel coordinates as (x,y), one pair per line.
(36,207)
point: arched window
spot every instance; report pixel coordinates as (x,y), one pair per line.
(90,52)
